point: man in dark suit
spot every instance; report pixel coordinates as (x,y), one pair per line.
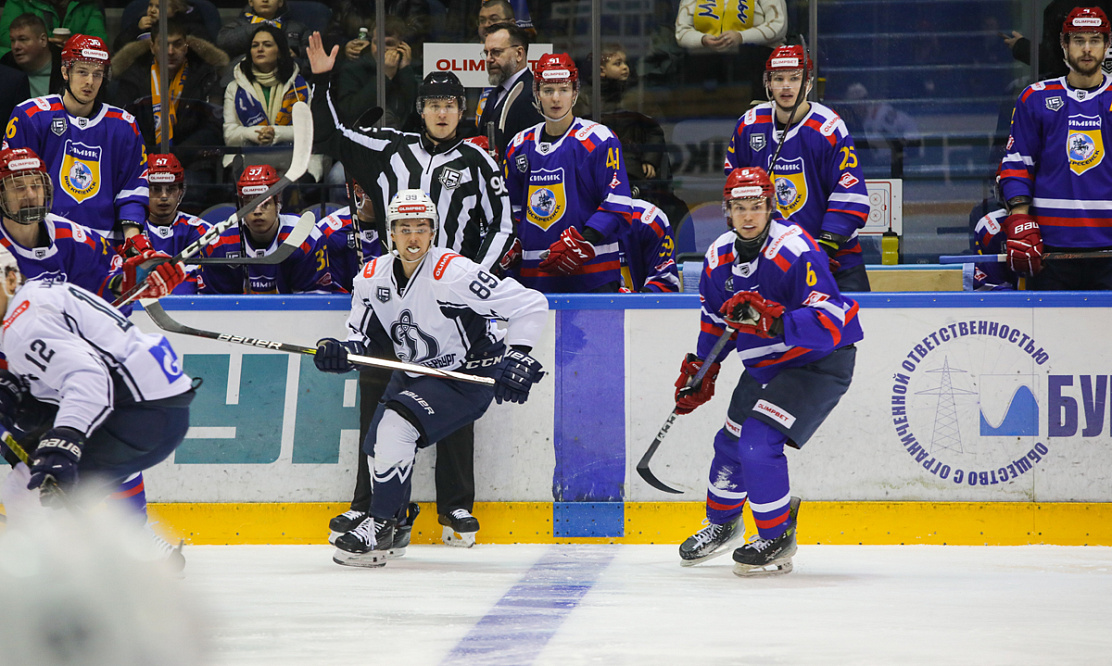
(506,49)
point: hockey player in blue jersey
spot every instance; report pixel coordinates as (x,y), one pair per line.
(819,183)
(568,190)
(796,336)
(169,230)
(1055,175)
(93,151)
(430,306)
(351,236)
(260,233)
(649,252)
(51,248)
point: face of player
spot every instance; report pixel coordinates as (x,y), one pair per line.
(616,67)
(85,79)
(785,87)
(413,239)
(28,49)
(11,281)
(1085,52)
(164,200)
(557,98)
(176,50)
(488,16)
(503,59)
(748,217)
(264,52)
(441,116)
(363,208)
(25,191)
(265,8)
(263,221)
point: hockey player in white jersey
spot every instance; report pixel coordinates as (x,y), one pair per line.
(430,306)
(112,400)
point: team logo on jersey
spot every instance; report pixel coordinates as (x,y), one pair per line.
(167,360)
(1084,143)
(162,232)
(58,126)
(757,142)
(546,197)
(848,180)
(1080,95)
(791,186)
(40,252)
(411,344)
(80,173)
(1054,103)
(383,294)
(450,178)
(521,161)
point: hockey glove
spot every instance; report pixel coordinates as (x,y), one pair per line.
(56,458)
(11,395)
(1024,245)
(749,312)
(831,243)
(568,254)
(332,355)
(690,397)
(517,373)
(135,246)
(161,276)
(512,258)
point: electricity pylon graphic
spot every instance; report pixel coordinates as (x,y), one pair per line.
(946,434)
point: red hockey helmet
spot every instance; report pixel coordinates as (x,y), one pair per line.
(748,183)
(786,58)
(86,48)
(556,68)
(1086,19)
(164,169)
(18,163)
(255,180)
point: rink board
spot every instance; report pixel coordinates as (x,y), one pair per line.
(957,398)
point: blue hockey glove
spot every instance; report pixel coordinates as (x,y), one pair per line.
(517,373)
(332,355)
(57,457)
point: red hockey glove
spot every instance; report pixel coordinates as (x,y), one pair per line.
(749,312)
(161,275)
(135,246)
(480,141)
(512,258)
(568,254)
(688,398)
(1025,244)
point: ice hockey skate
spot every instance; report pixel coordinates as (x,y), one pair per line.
(769,557)
(459,528)
(369,545)
(162,550)
(343,523)
(403,530)
(710,542)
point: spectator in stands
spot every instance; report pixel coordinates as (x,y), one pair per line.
(506,50)
(727,43)
(194,96)
(1051,63)
(349,16)
(182,11)
(236,36)
(12,279)
(258,102)
(355,90)
(80,17)
(491,13)
(34,55)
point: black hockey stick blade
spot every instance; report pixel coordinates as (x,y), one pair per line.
(369,119)
(643,464)
(297,236)
(299,164)
(167,323)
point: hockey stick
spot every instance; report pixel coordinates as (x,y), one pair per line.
(50,485)
(167,323)
(297,236)
(511,97)
(1002,258)
(643,464)
(299,164)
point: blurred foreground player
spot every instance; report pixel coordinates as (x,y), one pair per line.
(111,400)
(771,282)
(429,306)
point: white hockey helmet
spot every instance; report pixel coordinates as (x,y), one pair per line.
(410,205)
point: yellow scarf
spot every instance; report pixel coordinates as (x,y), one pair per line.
(713,17)
(176,86)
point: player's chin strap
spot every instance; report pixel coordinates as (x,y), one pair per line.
(571,106)
(747,249)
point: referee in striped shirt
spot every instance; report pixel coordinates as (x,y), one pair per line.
(467,187)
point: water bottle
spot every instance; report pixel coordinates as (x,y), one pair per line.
(890,248)
(363,34)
